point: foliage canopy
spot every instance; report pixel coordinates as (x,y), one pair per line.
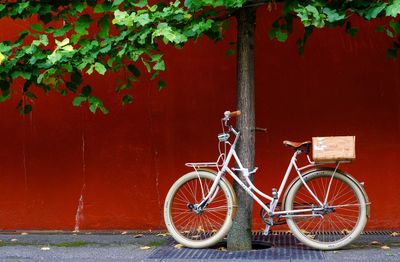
(72,38)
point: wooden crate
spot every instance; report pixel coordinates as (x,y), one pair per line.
(334,148)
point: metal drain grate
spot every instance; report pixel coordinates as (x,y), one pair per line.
(284,247)
(380,236)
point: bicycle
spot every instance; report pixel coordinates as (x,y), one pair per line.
(325,208)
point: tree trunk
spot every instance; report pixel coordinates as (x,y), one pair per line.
(239,238)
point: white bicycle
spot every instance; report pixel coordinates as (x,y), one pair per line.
(325,208)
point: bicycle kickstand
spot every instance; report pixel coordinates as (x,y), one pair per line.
(268,226)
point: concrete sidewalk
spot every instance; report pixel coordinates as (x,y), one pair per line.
(133,246)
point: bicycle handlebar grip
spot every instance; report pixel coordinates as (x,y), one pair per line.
(234,114)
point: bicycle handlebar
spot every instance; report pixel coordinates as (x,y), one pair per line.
(229,114)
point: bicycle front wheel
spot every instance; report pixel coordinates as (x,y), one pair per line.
(193,228)
(342,218)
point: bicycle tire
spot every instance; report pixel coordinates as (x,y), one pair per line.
(344,219)
(199,231)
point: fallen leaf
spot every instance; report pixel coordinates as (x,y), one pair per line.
(24,233)
(162,234)
(222,249)
(45,248)
(375,243)
(346,231)
(178,246)
(389,254)
(14,240)
(145,247)
(200,229)
(88,233)
(124,233)
(395,234)
(385,247)
(138,235)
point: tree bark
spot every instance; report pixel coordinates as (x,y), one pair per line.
(239,237)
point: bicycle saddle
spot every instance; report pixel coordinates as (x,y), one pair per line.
(299,145)
(296,145)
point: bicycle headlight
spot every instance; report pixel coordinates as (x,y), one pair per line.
(222,137)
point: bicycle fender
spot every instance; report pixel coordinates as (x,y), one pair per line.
(234,199)
(337,171)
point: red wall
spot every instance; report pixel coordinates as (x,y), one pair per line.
(121,165)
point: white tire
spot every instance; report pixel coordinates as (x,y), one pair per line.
(344,218)
(198,230)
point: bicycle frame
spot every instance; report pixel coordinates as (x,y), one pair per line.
(252,190)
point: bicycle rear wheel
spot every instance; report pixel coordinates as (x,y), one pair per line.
(198,229)
(341,221)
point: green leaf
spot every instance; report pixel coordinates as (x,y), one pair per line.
(86,91)
(110,62)
(391,53)
(117,2)
(30,95)
(127,99)
(161,85)
(4,97)
(22,36)
(78,5)
(95,103)
(389,33)
(351,30)
(2,58)
(104,26)
(62,43)
(281,36)
(99,8)
(395,26)
(37,27)
(100,68)
(82,24)
(134,70)
(393,9)
(147,65)
(79,100)
(229,52)
(26,109)
(62,31)
(139,3)
(380,29)
(25,75)
(21,7)
(76,77)
(143,19)
(333,16)
(159,66)
(375,11)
